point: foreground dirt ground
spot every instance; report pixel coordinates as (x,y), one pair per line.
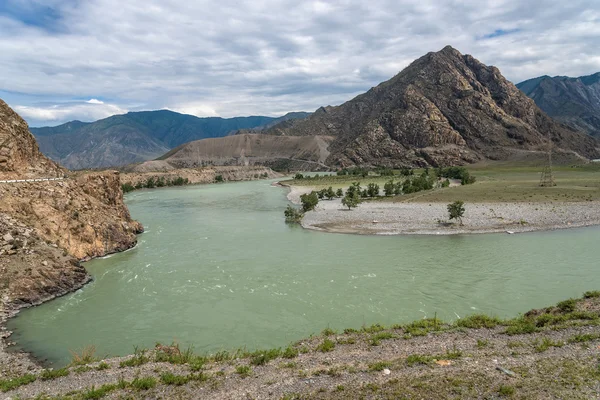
(552,353)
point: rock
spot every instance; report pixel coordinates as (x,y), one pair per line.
(45,263)
(8,238)
(386,372)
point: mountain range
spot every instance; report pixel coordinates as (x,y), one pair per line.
(443,109)
(136,136)
(573,101)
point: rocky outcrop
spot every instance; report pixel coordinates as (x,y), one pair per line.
(20,157)
(444,109)
(573,101)
(161,169)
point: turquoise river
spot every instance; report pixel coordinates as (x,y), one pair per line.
(218,268)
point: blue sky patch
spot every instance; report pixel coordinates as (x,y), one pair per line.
(32,14)
(500,32)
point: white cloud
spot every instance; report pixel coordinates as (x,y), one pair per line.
(57,113)
(235,57)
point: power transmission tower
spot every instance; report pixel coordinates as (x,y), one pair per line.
(547,179)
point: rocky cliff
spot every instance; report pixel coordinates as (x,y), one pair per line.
(444,109)
(20,157)
(573,101)
(46,227)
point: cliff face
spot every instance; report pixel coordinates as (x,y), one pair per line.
(573,101)
(47,227)
(445,108)
(20,157)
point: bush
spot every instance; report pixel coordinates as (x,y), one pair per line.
(351,200)
(456,210)
(309,201)
(339,193)
(330,193)
(293,215)
(219,178)
(389,188)
(298,176)
(373,190)
(127,187)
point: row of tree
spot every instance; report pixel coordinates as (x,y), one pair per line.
(153,182)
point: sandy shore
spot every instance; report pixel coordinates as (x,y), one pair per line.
(386,218)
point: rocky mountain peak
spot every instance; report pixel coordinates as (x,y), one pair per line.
(20,157)
(444,108)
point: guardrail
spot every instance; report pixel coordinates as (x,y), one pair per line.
(32,180)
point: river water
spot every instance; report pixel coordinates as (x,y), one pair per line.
(218,268)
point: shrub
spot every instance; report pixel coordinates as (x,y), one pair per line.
(143,383)
(478,321)
(127,187)
(219,178)
(244,370)
(84,356)
(373,190)
(456,210)
(389,188)
(351,200)
(293,215)
(339,193)
(49,374)
(591,294)
(309,201)
(326,346)
(298,176)
(290,352)
(567,305)
(262,357)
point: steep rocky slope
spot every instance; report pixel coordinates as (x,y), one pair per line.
(279,152)
(47,227)
(135,136)
(445,108)
(573,101)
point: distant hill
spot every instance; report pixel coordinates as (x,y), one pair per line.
(279,152)
(573,101)
(135,136)
(443,109)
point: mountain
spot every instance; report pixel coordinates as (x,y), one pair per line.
(135,136)
(443,109)
(573,101)
(279,152)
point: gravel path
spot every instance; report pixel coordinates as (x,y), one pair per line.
(386,218)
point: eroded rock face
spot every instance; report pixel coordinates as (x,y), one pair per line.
(444,109)
(20,157)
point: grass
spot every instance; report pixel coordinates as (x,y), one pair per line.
(478,321)
(326,346)
(567,306)
(506,391)
(379,366)
(84,356)
(584,338)
(290,352)
(481,344)
(139,358)
(145,383)
(591,294)
(243,370)
(169,378)
(378,337)
(418,359)
(10,384)
(496,181)
(542,345)
(328,332)
(423,327)
(262,357)
(49,374)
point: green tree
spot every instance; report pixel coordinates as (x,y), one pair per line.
(339,193)
(389,188)
(351,200)
(219,178)
(309,201)
(456,210)
(150,182)
(373,190)
(292,215)
(330,193)
(127,187)
(299,176)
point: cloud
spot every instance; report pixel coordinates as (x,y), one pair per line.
(86,111)
(236,57)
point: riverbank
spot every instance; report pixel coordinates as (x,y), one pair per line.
(546,354)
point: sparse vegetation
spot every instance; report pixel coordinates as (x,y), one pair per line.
(49,374)
(456,210)
(326,346)
(84,356)
(243,370)
(10,384)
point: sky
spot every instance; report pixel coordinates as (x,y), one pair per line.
(63,60)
